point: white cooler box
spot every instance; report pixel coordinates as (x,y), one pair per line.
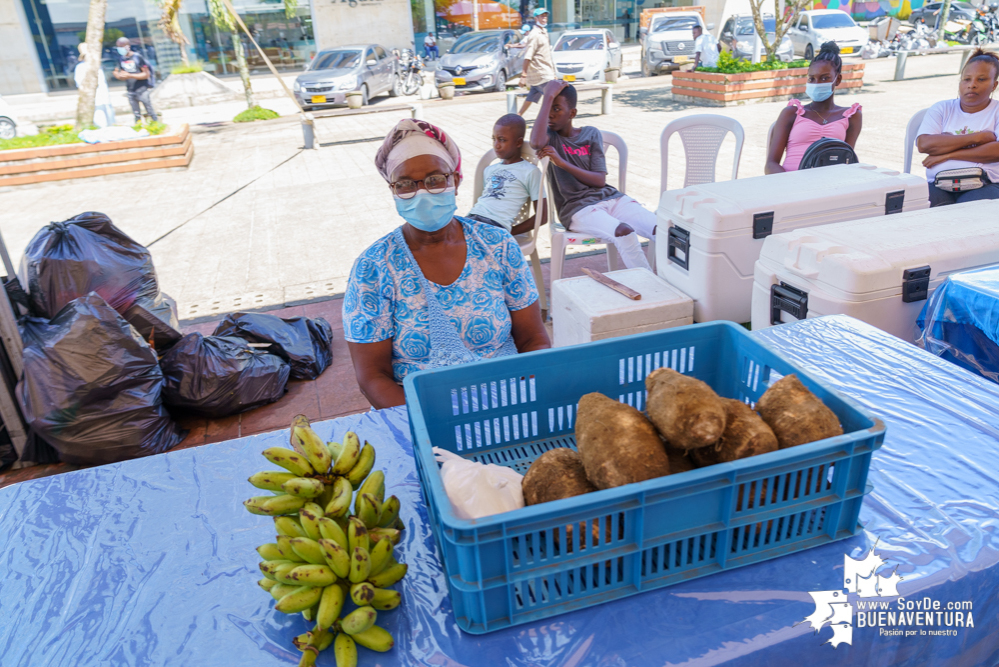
(716,230)
(880,271)
(583,310)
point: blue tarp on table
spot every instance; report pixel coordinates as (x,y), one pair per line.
(960,322)
(152,562)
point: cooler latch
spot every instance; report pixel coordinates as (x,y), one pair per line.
(915,284)
(894,202)
(791,300)
(678,241)
(763,225)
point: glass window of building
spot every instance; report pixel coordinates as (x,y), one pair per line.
(58,26)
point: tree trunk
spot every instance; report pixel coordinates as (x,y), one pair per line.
(92,64)
(244,70)
(944,12)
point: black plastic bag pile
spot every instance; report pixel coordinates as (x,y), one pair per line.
(94,389)
(217,375)
(302,342)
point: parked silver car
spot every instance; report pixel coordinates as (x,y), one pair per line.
(481,61)
(583,55)
(367,68)
(737,36)
(814,28)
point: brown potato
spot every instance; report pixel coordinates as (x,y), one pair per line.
(679,461)
(746,434)
(617,444)
(796,415)
(687,412)
(556,474)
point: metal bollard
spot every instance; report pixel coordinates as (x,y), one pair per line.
(511,102)
(900,65)
(606,100)
(416,110)
(308,135)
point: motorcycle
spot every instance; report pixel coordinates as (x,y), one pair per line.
(410,72)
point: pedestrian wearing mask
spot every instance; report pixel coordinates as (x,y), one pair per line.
(798,126)
(134,70)
(539,68)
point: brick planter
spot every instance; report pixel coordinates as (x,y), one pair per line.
(67,161)
(725,90)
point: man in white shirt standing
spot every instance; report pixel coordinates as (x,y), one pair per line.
(539,68)
(705,48)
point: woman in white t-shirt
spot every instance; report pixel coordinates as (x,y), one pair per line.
(961,133)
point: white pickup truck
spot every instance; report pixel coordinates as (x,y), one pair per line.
(670,41)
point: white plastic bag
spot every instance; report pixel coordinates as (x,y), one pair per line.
(478,489)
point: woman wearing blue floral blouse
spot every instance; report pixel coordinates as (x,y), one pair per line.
(438,290)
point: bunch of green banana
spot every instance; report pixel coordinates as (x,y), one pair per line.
(325,556)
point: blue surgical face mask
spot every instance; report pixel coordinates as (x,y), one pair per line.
(819,92)
(122,50)
(428,212)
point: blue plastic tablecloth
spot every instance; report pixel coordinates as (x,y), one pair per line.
(151,562)
(960,322)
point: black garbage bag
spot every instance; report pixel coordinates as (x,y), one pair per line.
(87,253)
(301,341)
(155,321)
(215,376)
(92,387)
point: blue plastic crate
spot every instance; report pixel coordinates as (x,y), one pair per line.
(547,559)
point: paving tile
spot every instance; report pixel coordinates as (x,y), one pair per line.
(227,428)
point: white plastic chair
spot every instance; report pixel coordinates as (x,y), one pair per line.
(528,242)
(911,134)
(702,136)
(562,237)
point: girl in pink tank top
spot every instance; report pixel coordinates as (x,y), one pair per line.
(798,127)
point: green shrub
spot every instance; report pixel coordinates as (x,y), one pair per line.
(729,64)
(47,136)
(255,113)
(152,127)
(189,68)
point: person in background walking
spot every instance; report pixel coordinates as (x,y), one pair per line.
(103,111)
(705,49)
(626,17)
(134,70)
(430,46)
(538,66)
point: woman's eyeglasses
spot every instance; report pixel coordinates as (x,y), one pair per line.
(434,184)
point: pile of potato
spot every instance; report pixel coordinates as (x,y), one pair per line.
(689,426)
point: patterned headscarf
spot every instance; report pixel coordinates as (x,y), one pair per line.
(410,138)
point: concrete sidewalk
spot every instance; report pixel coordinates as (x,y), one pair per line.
(256,222)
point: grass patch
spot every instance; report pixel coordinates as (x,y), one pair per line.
(48,136)
(728,64)
(255,113)
(190,68)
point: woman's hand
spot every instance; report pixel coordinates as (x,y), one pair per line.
(934,160)
(528,330)
(550,153)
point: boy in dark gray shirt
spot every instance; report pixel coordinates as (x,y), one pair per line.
(583,199)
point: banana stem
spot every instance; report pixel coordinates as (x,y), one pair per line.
(309,656)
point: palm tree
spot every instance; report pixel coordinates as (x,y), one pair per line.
(223,18)
(95,44)
(170,25)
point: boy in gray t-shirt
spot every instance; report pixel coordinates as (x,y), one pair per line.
(582,197)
